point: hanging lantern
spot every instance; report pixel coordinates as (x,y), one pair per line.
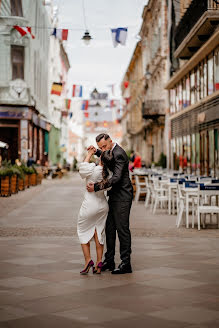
(86,38)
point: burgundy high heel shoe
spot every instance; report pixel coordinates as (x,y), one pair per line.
(99,266)
(86,270)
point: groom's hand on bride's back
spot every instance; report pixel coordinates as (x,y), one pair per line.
(90,187)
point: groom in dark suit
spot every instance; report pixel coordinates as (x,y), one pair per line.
(120,201)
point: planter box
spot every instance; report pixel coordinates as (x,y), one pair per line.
(5,186)
(33,179)
(21,184)
(26,181)
(14,188)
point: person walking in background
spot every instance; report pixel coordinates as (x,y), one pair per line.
(137,161)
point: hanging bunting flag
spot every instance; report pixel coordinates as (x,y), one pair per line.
(56,89)
(86,114)
(85,104)
(70,115)
(61,34)
(77,90)
(119,36)
(126,84)
(68,103)
(24,30)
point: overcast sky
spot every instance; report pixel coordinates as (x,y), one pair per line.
(99,64)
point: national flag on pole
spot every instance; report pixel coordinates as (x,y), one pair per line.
(119,36)
(24,30)
(68,103)
(56,89)
(61,34)
(77,90)
(85,104)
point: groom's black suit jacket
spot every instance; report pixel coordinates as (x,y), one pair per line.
(122,189)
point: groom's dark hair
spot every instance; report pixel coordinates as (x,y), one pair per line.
(101,136)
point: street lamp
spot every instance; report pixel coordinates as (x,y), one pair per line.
(86,38)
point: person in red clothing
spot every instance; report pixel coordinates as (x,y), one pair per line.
(137,161)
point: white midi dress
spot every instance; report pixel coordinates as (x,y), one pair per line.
(94,208)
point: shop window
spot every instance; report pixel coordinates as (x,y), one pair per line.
(216,70)
(210,75)
(192,87)
(216,150)
(193,154)
(211,151)
(17,61)
(188,91)
(197,152)
(16,8)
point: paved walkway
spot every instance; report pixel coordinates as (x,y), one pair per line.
(175,271)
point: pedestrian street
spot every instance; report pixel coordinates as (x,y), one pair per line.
(175,271)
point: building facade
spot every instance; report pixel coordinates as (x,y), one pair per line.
(145,99)
(24,79)
(194,90)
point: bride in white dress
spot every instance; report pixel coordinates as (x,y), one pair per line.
(94,209)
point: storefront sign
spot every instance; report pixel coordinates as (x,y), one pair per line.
(17,113)
(24,139)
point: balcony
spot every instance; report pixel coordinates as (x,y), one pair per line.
(195,27)
(153,109)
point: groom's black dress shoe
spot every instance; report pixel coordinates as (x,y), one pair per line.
(108,266)
(122,269)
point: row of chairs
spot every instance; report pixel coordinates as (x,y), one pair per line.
(204,201)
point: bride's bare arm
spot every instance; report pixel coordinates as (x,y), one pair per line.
(90,153)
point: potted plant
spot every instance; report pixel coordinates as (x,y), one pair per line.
(14,179)
(33,176)
(21,178)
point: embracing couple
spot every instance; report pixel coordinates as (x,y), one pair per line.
(97,216)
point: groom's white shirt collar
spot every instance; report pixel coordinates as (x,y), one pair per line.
(114,146)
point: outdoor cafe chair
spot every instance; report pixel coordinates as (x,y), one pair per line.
(160,195)
(140,188)
(202,208)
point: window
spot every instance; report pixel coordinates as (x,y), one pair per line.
(184,93)
(216,70)
(17,62)
(16,8)
(192,87)
(205,86)
(210,75)
(187,91)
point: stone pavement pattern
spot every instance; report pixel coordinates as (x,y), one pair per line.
(175,271)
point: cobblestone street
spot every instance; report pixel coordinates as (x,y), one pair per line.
(175,271)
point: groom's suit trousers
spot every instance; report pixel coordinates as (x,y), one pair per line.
(118,220)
